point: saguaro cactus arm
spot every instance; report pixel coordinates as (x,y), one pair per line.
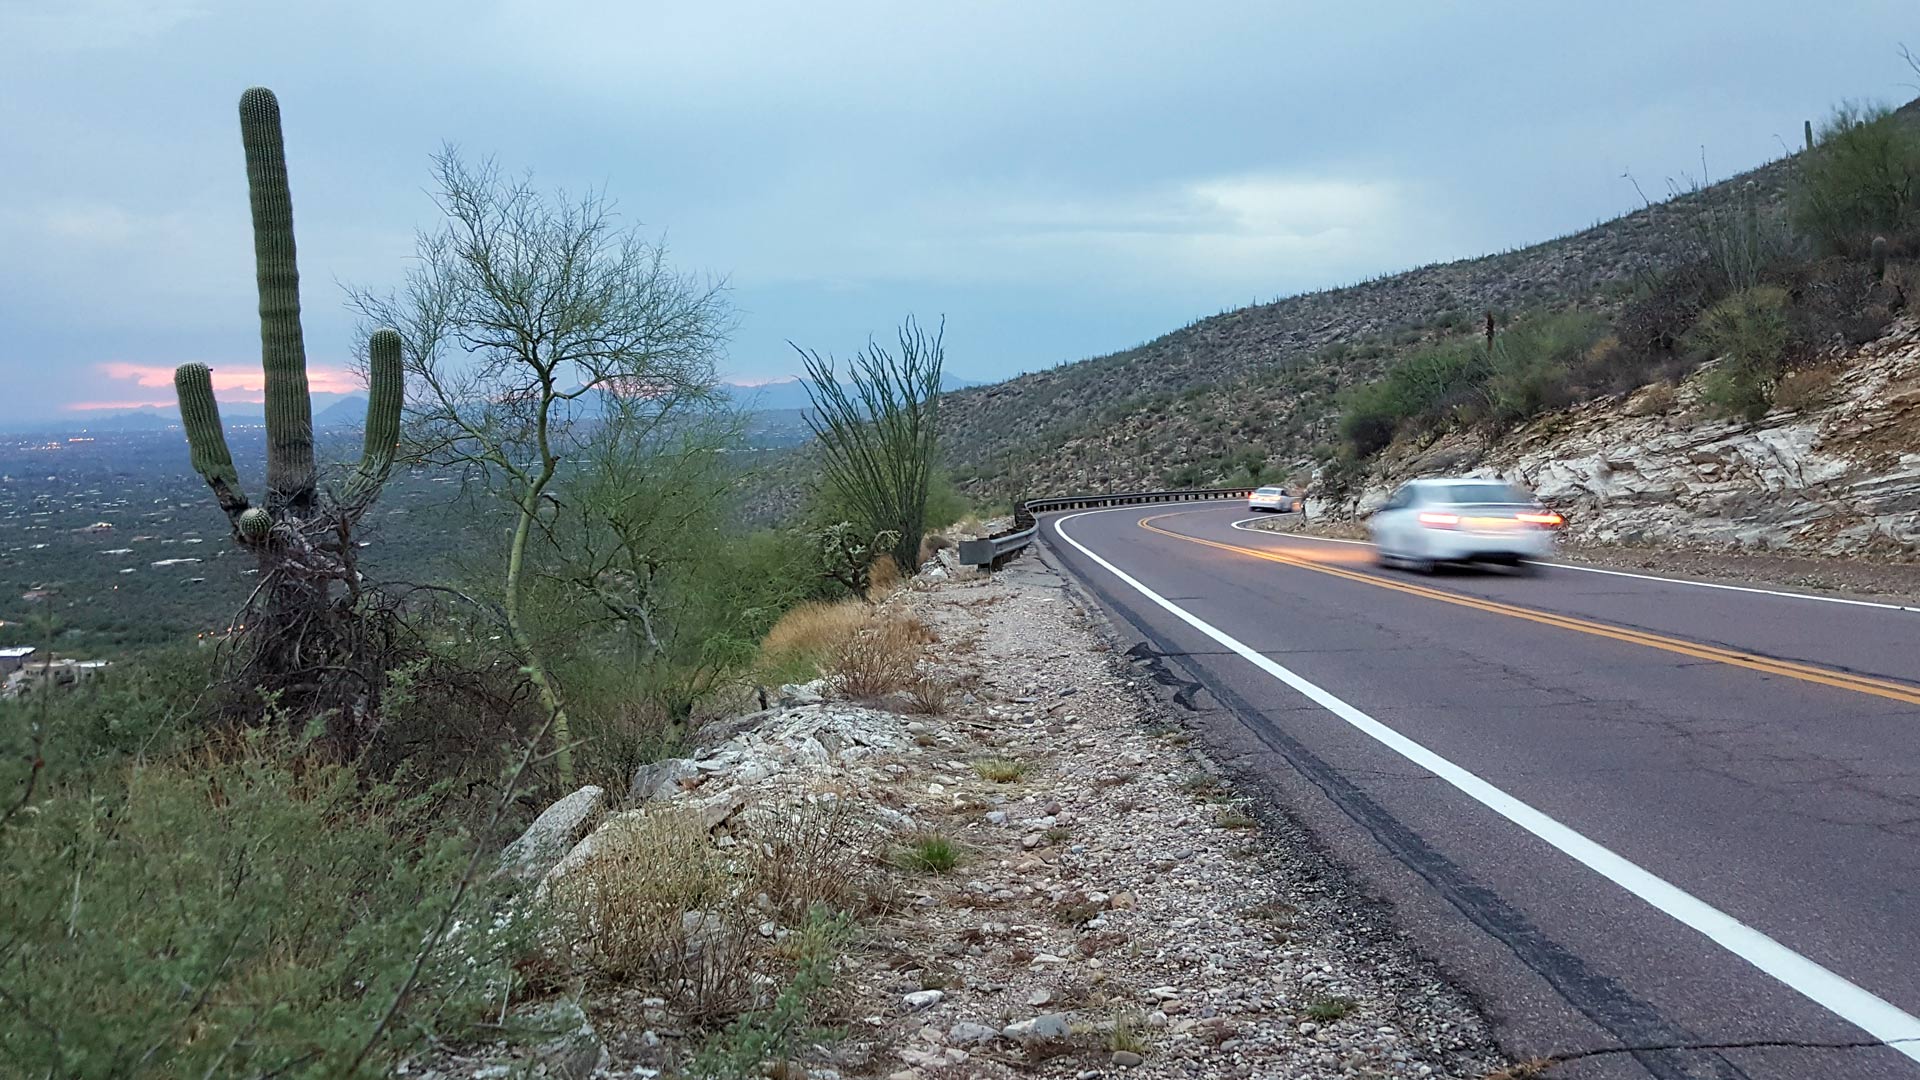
(386,387)
(290,472)
(206,439)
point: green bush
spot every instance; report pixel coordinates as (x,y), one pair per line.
(1861,180)
(1421,392)
(250,911)
(1749,333)
(1528,371)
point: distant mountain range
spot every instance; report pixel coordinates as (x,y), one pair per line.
(350,410)
(792,393)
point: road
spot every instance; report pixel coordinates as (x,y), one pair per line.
(1623,812)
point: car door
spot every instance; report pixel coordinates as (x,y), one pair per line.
(1390,521)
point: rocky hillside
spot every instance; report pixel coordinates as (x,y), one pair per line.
(1833,469)
(1258,386)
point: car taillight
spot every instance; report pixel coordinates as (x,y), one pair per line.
(1440,521)
(1548,519)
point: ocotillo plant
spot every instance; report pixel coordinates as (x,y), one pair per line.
(290,495)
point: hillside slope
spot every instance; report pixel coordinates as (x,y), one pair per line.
(1833,472)
(1252,392)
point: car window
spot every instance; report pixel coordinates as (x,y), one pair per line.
(1488,492)
(1399,499)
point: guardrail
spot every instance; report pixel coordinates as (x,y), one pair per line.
(993,550)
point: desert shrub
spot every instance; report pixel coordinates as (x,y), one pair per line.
(1530,363)
(1749,333)
(742,1050)
(654,903)
(1808,388)
(1658,400)
(806,637)
(251,911)
(1419,393)
(1837,302)
(811,853)
(946,503)
(927,694)
(1862,179)
(1656,317)
(883,577)
(881,657)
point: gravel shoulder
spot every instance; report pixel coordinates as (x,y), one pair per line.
(1121,888)
(1890,580)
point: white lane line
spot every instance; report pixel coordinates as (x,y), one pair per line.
(1855,1004)
(1246,525)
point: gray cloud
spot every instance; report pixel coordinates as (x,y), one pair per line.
(1058,179)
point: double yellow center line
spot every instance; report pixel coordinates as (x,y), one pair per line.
(1789,669)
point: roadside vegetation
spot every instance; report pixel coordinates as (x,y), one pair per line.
(1769,288)
(274,853)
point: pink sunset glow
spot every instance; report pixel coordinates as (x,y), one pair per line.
(237,383)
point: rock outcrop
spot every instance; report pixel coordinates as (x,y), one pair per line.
(1840,476)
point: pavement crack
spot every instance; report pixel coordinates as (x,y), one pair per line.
(1538,1066)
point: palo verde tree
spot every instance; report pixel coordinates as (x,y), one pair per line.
(879,438)
(529,323)
(304,630)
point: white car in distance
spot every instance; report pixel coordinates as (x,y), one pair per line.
(1275,499)
(1429,522)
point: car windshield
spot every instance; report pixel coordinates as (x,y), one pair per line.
(1482,493)
(1269,491)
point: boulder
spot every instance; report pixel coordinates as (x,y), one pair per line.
(554,833)
(660,779)
(574,1050)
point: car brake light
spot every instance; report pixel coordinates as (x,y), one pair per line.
(1440,521)
(1548,518)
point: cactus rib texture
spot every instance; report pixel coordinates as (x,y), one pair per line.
(290,470)
(386,386)
(206,439)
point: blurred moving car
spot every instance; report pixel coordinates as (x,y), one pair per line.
(1275,499)
(1428,522)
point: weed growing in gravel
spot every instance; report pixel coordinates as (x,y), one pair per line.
(1203,786)
(999,770)
(930,853)
(1232,817)
(927,694)
(1129,1034)
(1329,1008)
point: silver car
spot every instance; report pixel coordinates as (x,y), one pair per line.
(1464,520)
(1275,499)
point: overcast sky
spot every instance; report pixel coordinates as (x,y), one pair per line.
(1058,179)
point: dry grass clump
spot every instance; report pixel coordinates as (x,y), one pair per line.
(928,853)
(654,903)
(999,770)
(928,694)
(812,853)
(881,657)
(883,577)
(814,630)
(1808,388)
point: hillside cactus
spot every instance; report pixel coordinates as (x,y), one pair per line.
(1878,255)
(289,407)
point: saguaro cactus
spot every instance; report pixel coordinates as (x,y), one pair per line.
(1877,257)
(290,469)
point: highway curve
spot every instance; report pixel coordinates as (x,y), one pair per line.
(1676,824)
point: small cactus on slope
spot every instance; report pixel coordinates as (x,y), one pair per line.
(290,466)
(1878,256)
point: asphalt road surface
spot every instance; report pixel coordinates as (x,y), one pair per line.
(1675,824)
